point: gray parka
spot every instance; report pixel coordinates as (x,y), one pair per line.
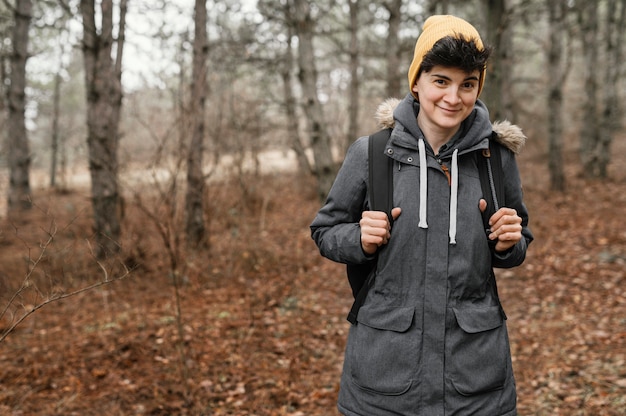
(431,336)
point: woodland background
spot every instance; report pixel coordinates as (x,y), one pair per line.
(162,161)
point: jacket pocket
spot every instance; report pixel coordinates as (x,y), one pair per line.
(478,351)
(383,349)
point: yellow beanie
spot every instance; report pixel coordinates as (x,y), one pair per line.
(435,28)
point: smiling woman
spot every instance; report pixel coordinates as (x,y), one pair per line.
(430,337)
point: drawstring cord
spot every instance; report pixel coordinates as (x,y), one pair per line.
(423,185)
(454,191)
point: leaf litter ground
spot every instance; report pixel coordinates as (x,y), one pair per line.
(261,326)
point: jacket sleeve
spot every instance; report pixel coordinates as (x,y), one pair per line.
(336,229)
(514,199)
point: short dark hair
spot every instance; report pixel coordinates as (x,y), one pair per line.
(456,52)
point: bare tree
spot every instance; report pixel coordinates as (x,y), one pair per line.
(19,197)
(57,143)
(556,80)
(392,48)
(355,81)
(615,25)
(280,16)
(194,200)
(103,75)
(497,92)
(307,74)
(590,130)
(54,145)
(438,6)
(286,70)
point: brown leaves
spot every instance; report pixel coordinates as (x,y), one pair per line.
(567,304)
(264,324)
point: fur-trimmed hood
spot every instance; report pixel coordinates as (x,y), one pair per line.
(509,135)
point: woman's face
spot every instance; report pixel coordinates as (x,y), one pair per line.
(447,96)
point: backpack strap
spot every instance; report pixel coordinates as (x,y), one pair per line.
(380,189)
(380,177)
(491,180)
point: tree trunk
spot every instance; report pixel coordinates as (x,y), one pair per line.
(610,119)
(19,195)
(497,88)
(324,166)
(54,146)
(556,78)
(438,7)
(393,55)
(104,101)
(194,203)
(590,129)
(290,110)
(355,84)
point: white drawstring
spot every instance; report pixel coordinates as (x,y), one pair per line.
(454,191)
(423,185)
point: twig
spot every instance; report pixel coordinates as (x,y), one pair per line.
(60,297)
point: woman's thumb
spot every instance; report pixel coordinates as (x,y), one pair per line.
(482,205)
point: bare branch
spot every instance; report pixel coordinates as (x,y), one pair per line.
(27,283)
(61,296)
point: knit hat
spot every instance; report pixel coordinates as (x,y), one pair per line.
(435,28)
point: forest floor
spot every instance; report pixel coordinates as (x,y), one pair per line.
(255,324)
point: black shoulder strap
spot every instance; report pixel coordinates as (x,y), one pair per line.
(498,171)
(492,182)
(380,182)
(380,188)
(491,179)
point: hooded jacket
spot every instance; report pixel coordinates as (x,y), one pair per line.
(431,336)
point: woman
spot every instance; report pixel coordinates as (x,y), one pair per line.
(430,338)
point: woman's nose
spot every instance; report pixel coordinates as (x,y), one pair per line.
(452,95)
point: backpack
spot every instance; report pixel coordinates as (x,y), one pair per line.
(380,188)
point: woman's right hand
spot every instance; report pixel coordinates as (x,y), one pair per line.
(376,229)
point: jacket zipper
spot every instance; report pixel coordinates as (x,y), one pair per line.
(446,171)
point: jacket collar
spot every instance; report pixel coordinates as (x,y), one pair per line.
(509,135)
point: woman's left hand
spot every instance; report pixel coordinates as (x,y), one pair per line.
(506,227)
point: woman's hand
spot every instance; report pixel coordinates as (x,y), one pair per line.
(506,226)
(375,229)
